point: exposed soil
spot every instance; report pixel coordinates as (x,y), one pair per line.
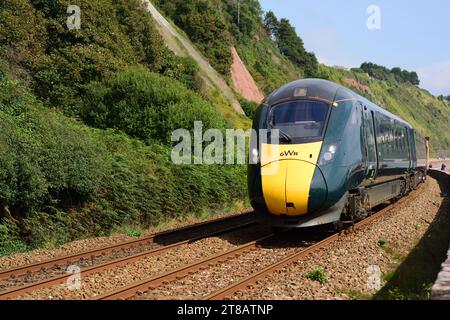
(357,85)
(243,81)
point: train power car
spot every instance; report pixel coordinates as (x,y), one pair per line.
(338,156)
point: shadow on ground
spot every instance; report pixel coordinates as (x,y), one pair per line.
(416,274)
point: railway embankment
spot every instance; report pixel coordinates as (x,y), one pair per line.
(441,288)
(395,257)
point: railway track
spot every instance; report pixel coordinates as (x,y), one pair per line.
(139,289)
(229,291)
(51,273)
(142,287)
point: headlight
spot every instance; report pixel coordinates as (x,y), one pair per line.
(328,154)
(255,156)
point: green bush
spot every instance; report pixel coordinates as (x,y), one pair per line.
(249,107)
(9,242)
(203,21)
(319,274)
(146,105)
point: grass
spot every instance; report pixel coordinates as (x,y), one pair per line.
(318,274)
(355,294)
(129,230)
(382,242)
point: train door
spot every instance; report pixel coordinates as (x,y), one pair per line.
(371,159)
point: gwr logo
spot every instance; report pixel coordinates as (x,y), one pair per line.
(288,153)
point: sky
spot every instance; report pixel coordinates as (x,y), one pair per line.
(413,35)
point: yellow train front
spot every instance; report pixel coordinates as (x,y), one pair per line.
(324,154)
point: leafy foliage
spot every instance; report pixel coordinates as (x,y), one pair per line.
(34,38)
(291,45)
(202,20)
(146,106)
(244,24)
(249,107)
(319,274)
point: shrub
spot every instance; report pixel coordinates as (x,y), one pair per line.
(249,107)
(203,21)
(113,35)
(146,105)
(9,242)
(319,274)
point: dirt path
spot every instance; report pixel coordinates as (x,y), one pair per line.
(181,46)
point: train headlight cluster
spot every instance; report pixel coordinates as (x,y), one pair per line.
(328,154)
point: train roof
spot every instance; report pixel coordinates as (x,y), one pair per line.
(323,90)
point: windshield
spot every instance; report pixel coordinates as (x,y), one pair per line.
(300,119)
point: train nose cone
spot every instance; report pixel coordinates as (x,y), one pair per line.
(289,186)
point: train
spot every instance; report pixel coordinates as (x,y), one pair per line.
(336,156)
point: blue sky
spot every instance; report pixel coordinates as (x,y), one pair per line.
(414,35)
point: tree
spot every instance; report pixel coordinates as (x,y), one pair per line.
(383,73)
(202,20)
(291,45)
(271,24)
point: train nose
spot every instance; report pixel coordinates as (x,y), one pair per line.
(293,187)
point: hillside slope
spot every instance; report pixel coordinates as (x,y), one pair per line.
(181,46)
(270,68)
(86,118)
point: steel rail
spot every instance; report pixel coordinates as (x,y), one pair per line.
(179,273)
(21,290)
(252,279)
(89,254)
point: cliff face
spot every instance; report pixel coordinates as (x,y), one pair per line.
(243,81)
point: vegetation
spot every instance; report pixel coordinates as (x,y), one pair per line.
(319,274)
(383,73)
(291,45)
(272,61)
(58,62)
(249,107)
(203,21)
(61,180)
(146,105)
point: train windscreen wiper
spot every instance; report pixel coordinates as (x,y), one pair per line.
(283,135)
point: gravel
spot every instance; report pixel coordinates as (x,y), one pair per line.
(39,255)
(348,261)
(100,283)
(223,274)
